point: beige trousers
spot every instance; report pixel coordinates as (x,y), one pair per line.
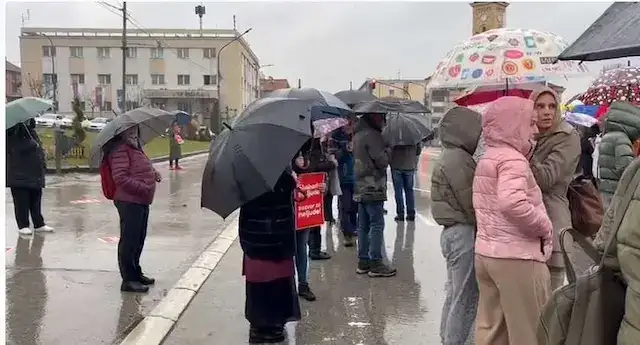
(512,294)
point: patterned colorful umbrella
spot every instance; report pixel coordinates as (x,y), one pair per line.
(501,56)
(619,84)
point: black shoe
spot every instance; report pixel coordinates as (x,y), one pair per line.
(144,280)
(363,267)
(411,218)
(399,218)
(133,287)
(319,256)
(267,335)
(305,292)
(379,269)
(349,240)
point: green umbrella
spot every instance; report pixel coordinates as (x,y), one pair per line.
(24,109)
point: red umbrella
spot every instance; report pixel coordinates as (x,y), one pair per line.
(619,84)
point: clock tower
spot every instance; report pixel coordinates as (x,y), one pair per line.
(488,16)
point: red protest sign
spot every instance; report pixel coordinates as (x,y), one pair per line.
(310,211)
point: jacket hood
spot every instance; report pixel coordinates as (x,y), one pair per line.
(558,118)
(623,117)
(461,127)
(507,122)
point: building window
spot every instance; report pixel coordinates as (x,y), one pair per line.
(157,79)
(49,79)
(392,93)
(157,53)
(132,53)
(48,51)
(77,79)
(131,79)
(208,53)
(183,53)
(106,106)
(104,79)
(184,106)
(439,96)
(438,110)
(184,79)
(210,80)
(104,52)
(76,52)
(132,105)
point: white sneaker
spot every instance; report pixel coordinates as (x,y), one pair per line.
(25,231)
(44,228)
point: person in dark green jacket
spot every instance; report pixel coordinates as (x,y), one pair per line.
(621,132)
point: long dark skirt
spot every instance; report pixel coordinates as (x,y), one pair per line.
(271,296)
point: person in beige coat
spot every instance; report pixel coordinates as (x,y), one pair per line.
(554,163)
(624,257)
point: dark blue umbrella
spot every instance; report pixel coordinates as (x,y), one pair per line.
(183,118)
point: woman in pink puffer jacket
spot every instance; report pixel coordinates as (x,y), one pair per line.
(514,238)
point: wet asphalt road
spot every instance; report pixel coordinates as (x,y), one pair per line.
(351,309)
(63,288)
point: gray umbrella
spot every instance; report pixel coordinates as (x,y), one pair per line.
(353,97)
(613,35)
(320,98)
(246,160)
(391,105)
(406,129)
(152,123)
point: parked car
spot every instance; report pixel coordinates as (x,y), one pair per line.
(98,124)
(66,122)
(49,120)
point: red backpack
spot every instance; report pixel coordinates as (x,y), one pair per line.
(108,184)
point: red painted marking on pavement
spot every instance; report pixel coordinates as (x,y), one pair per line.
(109,239)
(86,201)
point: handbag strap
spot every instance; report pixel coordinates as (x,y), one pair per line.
(620,212)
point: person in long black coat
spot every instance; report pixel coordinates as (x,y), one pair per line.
(267,237)
(26,166)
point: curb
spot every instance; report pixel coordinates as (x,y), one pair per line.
(156,326)
(87,169)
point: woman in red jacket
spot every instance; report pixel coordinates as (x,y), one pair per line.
(135,179)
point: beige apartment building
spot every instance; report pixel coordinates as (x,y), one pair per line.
(173,69)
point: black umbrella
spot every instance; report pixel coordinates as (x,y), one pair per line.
(152,123)
(390,105)
(246,160)
(406,129)
(325,104)
(613,35)
(353,97)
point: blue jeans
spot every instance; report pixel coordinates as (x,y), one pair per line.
(457,325)
(347,210)
(403,184)
(370,230)
(302,257)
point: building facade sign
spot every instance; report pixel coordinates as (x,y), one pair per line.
(179,94)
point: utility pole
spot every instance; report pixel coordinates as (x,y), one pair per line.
(124,57)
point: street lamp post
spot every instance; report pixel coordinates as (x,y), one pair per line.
(54,77)
(219,75)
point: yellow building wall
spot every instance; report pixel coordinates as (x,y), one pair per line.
(411,90)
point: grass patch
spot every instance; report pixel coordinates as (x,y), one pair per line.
(158,147)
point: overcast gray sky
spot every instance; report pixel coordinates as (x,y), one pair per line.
(326,44)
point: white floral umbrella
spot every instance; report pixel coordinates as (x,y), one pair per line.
(505,56)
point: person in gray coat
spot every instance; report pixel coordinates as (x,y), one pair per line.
(404,163)
(26,166)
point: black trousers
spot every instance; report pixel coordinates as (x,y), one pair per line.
(328,209)
(173,160)
(134,219)
(27,201)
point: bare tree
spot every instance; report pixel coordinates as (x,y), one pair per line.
(36,87)
(91,102)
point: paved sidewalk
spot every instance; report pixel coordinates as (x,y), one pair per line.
(63,288)
(351,309)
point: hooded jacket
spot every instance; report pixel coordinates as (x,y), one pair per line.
(554,164)
(25,156)
(511,218)
(621,129)
(371,162)
(452,176)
